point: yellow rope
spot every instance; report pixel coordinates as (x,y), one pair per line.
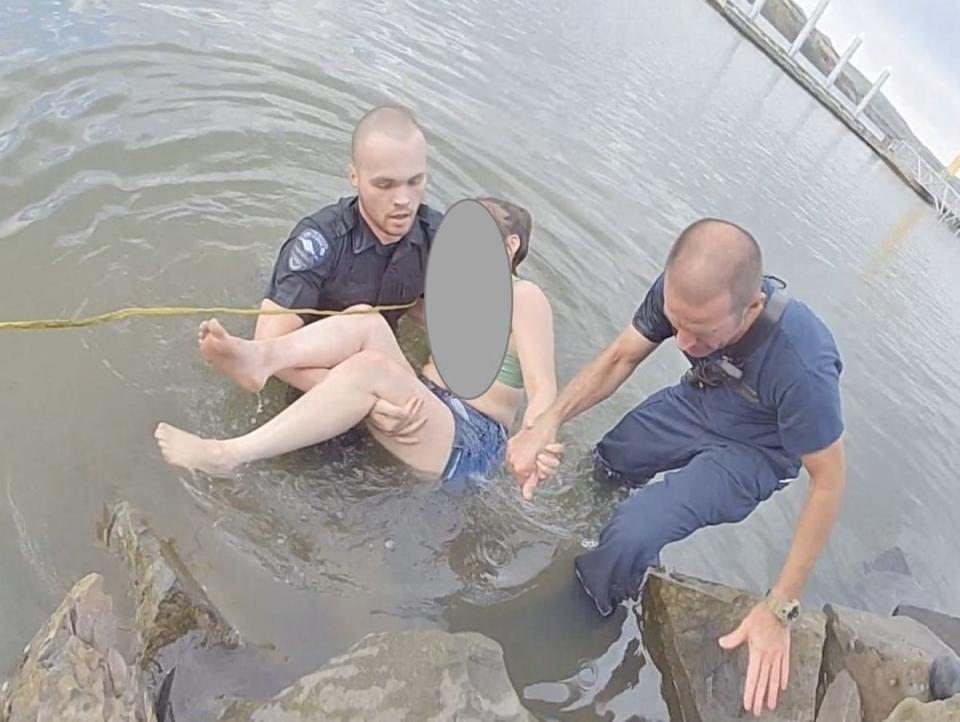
(185,311)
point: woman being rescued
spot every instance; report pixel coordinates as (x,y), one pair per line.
(461,438)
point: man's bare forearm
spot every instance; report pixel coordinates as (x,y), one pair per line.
(595,383)
(813,529)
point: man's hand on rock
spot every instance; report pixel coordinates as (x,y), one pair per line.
(768,668)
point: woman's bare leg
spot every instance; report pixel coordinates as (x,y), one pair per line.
(319,345)
(339,403)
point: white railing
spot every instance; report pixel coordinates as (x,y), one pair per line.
(944,189)
(938,183)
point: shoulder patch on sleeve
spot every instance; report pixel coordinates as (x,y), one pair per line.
(308,250)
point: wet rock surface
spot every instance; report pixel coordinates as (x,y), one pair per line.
(71,670)
(414,676)
(842,701)
(683,619)
(846,665)
(189,656)
(945,677)
(173,609)
(889,658)
(912,710)
(943,625)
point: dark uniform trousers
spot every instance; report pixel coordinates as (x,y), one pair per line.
(710,480)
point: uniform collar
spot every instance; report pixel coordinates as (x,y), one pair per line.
(364,239)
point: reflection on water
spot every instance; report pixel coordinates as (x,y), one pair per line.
(158,153)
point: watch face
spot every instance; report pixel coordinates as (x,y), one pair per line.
(793,612)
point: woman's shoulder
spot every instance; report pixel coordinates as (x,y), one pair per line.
(529,299)
(526,290)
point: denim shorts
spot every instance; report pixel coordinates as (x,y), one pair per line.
(479,442)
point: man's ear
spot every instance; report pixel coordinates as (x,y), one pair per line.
(513,243)
(758,302)
(352,175)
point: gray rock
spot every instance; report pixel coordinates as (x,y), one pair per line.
(416,676)
(945,677)
(888,657)
(71,671)
(189,656)
(943,625)
(174,614)
(842,701)
(684,618)
(891,560)
(912,710)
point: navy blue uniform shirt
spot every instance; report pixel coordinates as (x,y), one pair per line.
(795,373)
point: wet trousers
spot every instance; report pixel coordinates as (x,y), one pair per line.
(709,480)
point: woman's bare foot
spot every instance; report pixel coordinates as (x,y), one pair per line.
(180,448)
(235,357)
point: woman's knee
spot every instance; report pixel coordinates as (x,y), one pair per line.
(369,361)
(373,369)
(376,325)
(365,371)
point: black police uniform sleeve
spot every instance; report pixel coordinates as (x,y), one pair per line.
(650,319)
(302,266)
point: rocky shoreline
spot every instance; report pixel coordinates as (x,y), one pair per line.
(846,664)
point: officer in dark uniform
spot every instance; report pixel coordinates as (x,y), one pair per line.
(370,248)
(333,260)
(761,401)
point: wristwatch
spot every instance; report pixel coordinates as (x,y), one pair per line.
(786,611)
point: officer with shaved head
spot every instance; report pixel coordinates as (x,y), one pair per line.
(368,249)
(760,400)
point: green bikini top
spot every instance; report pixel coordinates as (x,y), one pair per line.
(510,372)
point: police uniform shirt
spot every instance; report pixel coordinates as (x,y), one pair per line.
(794,372)
(332,260)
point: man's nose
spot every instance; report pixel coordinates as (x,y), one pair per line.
(685,340)
(402,197)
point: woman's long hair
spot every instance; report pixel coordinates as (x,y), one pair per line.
(512,220)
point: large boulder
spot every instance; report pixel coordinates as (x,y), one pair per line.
(912,710)
(71,670)
(183,640)
(888,657)
(414,676)
(173,610)
(943,625)
(684,618)
(842,701)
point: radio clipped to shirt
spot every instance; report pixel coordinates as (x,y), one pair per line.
(727,367)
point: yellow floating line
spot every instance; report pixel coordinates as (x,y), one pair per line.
(184,311)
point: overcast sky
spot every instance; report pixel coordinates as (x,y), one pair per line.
(920,41)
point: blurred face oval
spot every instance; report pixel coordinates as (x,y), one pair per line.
(468,296)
